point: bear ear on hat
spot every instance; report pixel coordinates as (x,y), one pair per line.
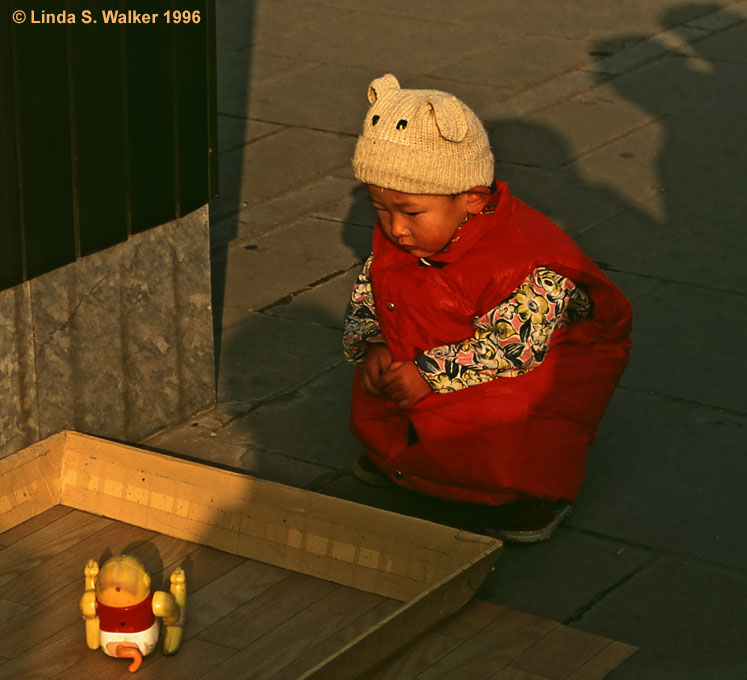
(449,115)
(381,85)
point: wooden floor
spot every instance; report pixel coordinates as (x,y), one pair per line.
(252,620)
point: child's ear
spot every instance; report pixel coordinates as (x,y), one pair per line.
(477,198)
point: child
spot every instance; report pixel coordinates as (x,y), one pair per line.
(488,344)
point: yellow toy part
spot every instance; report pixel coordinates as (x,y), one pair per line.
(88,605)
(173,635)
(122,582)
(121,612)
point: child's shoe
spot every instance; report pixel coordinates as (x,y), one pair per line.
(367,472)
(525,521)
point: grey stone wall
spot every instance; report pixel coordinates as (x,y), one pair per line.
(117,344)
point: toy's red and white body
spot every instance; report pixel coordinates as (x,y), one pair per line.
(121,610)
(137,625)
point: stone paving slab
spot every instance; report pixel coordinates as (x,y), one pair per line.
(354,209)
(588,19)
(311,424)
(350,38)
(583,123)
(692,627)
(324,304)
(700,145)
(275,164)
(696,245)
(671,478)
(728,47)
(329,97)
(505,64)
(674,84)
(547,93)
(264,356)
(634,286)
(234,133)
(242,71)
(202,444)
(433,10)
(671,359)
(572,201)
(306,251)
(584,567)
(628,165)
(279,211)
(646,50)
(624,409)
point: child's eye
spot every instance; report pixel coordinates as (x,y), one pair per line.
(412,214)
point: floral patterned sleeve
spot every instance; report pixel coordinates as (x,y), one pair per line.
(361,324)
(512,338)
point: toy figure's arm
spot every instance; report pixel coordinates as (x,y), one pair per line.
(88,605)
(361,323)
(165,607)
(172,608)
(510,339)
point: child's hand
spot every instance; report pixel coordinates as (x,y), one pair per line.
(377,361)
(403,384)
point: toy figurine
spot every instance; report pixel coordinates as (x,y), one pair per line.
(120,609)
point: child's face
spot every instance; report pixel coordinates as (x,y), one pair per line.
(421,224)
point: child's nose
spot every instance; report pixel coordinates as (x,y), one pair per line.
(398,226)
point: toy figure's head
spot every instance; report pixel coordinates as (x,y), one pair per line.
(122,582)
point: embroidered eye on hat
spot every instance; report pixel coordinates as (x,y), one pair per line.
(421,142)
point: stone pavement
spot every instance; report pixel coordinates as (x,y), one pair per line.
(623,121)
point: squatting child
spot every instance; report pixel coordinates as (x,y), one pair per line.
(488,345)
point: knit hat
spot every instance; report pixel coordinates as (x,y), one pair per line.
(421,142)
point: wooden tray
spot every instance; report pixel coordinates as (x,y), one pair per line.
(430,570)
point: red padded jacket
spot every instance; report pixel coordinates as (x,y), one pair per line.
(509,438)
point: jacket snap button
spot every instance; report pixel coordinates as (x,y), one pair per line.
(398,474)
(390,306)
